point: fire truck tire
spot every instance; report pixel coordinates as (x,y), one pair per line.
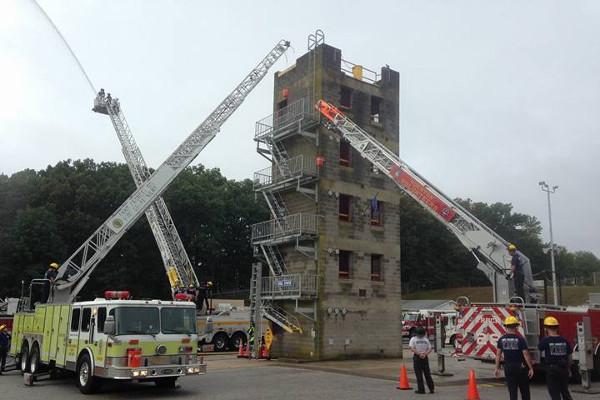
(166,383)
(34,358)
(596,371)
(24,357)
(234,342)
(86,381)
(220,341)
(575,374)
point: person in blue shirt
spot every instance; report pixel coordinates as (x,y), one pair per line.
(4,345)
(557,359)
(513,347)
(516,268)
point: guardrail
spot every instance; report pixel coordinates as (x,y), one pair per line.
(289,226)
(285,117)
(359,72)
(289,286)
(294,167)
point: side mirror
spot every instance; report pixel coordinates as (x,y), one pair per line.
(109,325)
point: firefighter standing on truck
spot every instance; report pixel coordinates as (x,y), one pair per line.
(557,359)
(514,348)
(50,276)
(516,268)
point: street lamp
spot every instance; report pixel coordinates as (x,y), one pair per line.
(549,190)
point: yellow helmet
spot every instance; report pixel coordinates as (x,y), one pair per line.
(2,327)
(512,247)
(511,320)
(54,265)
(550,321)
(209,283)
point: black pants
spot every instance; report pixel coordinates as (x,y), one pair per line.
(557,379)
(3,353)
(519,281)
(516,378)
(421,366)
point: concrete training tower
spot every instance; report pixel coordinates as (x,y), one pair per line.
(331,252)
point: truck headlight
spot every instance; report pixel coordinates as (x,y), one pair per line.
(135,373)
(190,370)
(144,372)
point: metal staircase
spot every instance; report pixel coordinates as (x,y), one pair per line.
(274,259)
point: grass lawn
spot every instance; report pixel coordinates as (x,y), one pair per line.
(572,295)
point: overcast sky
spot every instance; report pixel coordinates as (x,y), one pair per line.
(495,96)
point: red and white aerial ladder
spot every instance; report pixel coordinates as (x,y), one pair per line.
(488,248)
(478,325)
(76,270)
(177,264)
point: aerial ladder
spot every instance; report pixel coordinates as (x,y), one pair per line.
(178,267)
(76,270)
(488,248)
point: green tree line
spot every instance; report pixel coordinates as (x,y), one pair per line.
(45,215)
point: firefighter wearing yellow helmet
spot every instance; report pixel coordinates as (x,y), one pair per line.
(518,368)
(50,276)
(557,357)
(4,345)
(517,265)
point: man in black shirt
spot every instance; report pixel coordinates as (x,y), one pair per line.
(514,348)
(50,275)
(557,359)
(516,267)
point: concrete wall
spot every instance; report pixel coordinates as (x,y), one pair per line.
(356,316)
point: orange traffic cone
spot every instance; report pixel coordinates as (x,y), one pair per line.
(403,381)
(472,392)
(241,349)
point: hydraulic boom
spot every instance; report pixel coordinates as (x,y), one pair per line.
(488,248)
(76,270)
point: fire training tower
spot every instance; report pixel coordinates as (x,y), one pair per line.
(329,270)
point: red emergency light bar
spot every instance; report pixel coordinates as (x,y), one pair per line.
(184,297)
(117,294)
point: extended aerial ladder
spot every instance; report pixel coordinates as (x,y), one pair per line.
(488,248)
(177,264)
(76,270)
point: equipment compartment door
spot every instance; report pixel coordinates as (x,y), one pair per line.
(63,331)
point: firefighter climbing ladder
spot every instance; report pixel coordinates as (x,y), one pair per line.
(175,259)
(489,249)
(76,270)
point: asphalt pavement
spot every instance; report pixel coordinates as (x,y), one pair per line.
(231,379)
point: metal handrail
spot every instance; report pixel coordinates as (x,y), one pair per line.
(291,225)
(295,167)
(289,285)
(292,113)
(370,76)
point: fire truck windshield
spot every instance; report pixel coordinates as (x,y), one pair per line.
(178,320)
(136,320)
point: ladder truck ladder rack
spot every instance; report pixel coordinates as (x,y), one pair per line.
(76,270)
(177,264)
(488,248)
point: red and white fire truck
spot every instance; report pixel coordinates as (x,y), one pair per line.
(479,325)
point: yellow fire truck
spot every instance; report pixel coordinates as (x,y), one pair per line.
(149,340)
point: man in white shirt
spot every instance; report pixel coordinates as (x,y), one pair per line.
(421,348)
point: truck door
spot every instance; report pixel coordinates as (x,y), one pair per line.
(99,338)
(73,340)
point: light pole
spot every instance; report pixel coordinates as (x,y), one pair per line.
(549,190)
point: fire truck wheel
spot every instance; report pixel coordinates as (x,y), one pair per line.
(220,342)
(236,338)
(166,383)
(86,382)
(34,359)
(24,357)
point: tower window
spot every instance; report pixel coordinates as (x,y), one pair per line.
(375,108)
(376,267)
(345,153)
(376,212)
(344,264)
(344,207)
(346,97)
